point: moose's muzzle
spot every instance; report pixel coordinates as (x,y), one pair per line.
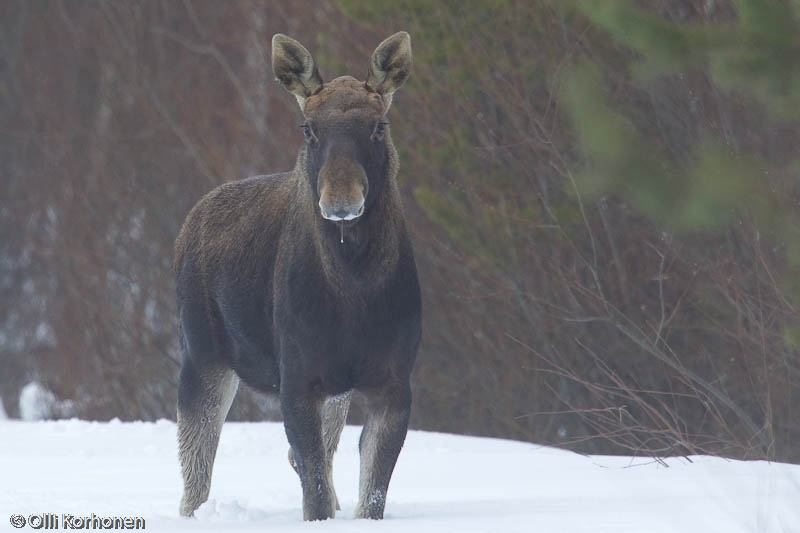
(342,189)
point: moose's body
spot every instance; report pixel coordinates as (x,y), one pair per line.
(303,285)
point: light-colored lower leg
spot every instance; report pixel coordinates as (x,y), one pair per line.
(381,440)
(199,427)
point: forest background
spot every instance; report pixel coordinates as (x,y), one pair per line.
(603,197)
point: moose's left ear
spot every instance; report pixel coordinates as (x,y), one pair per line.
(390,65)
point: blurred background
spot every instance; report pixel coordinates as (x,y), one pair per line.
(603,196)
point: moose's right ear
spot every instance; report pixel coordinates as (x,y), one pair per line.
(294,67)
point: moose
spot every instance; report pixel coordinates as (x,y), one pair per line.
(303,285)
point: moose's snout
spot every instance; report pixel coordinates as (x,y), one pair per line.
(342,189)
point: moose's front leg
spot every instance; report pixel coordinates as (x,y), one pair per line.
(303,424)
(388,411)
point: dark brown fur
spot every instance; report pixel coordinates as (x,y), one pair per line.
(303,285)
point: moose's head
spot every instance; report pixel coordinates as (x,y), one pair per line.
(349,153)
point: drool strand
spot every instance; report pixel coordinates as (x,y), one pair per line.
(341,227)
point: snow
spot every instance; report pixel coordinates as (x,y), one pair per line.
(442,483)
(35,402)
(38,403)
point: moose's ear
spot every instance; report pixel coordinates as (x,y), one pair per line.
(294,67)
(390,65)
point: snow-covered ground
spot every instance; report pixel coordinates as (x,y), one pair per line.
(442,483)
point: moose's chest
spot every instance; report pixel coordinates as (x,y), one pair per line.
(350,333)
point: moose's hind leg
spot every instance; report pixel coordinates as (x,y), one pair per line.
(334,416)
(204,398)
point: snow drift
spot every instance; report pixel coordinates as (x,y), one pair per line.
(442,483)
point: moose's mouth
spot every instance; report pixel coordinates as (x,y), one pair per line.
(343,220)
(346,224)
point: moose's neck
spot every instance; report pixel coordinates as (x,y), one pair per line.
(364,251)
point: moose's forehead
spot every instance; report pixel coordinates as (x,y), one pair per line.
(341,96)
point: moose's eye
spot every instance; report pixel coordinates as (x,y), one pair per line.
(308,133)
(380,130)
